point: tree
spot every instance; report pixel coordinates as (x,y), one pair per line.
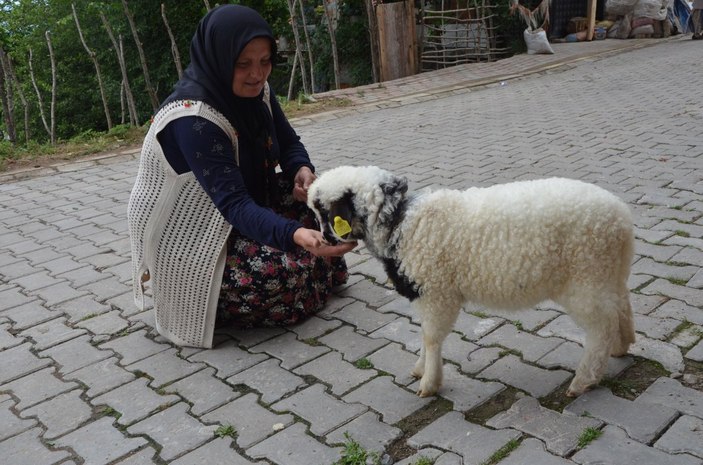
(142,58)
(93,58)
(127,89)
(6,97)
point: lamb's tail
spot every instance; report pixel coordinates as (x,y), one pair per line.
(625,318)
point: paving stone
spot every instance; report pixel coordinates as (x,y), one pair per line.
(696,352)
(531,452)
(134,347)
(684,437)
(614,447)
(203,390)
(689,295)
(535,381)
(687,337)
(75,354)
(12,297)
(19,361)
(663,352)
(248,338)
(363,318)
(8,339)
(10,424)
(81,308)
(568,355)
(371,268)
(214,452)
(322,411)
(165,367)
(34,281)
(564,327)
(106,324)
(400,306)
(528,319)
(352,345)
(82,276)
(671,393)
(457,349)
(52,333)
(101,376)
(679,311)
(560,432)
(58,293)
(112,443)
(106,288)
(142,457)
(252,422)
(28,315)
(646,304)
(332,370)
(289,350)
(174,430)
(372,434)
(432,454)
(366,291)
(134,401)
(480,359)
(474,443)
(61,414)
(37,387)
(269,379)
(293,446)
(314,327)
(465,392)
(397,362)
(474,328)
(656,328)
(27,449)
(403,332)
(391,401)
(531,347)
(228,359)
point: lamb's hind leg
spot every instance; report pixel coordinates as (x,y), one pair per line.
(598,317)
(437,322)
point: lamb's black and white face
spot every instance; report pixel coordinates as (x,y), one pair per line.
(338,218)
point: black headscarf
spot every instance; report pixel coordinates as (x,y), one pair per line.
(219,40)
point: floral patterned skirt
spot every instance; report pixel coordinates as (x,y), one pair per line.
(263,286)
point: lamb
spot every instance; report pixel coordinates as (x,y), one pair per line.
(508,246)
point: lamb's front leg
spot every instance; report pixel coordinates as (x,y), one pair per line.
(436,325)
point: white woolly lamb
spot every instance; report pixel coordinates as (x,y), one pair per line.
(508,246)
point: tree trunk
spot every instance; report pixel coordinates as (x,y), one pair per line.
(52,111)
(291,81)
(207,5)
(147,81)
(298,45)
(373,39)
(174,47)
(307,42)
(40,102)
(131,106)
(94,59)
(6,97)
(333,40)
(25,104)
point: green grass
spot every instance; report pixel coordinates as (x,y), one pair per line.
(364,364)
(226,431)
(588,435)
(355,454)
(503,452)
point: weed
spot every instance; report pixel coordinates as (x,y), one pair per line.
(364,364)
(89,316)
(355,454)
(108,411)
(677,281)
(503,452)
(588,435)
(311,341)
(226,431)
(682,233)
(424,461)
(518,324)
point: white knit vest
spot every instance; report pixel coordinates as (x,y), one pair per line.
(179,238)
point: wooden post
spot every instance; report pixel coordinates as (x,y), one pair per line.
(396,37)
(591,19)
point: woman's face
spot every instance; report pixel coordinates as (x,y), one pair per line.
(252,68)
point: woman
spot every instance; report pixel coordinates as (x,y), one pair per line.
(218,220)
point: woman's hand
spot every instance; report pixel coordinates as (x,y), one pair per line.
(301,183)
(312,241)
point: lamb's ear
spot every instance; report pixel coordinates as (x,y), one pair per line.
(397,185)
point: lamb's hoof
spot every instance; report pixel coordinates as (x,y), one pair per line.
(427,389)
(577,391)
(416,374)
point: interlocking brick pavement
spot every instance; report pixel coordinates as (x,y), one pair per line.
(85,379)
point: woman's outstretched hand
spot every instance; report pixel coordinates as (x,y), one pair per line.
(301,183)
(312,241)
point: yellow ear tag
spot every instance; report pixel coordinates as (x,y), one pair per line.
(341,226)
